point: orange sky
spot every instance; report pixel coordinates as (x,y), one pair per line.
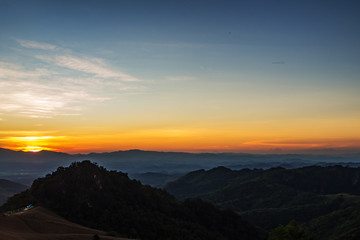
(246,136)
(108,77)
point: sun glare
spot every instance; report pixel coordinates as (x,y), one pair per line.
(31,143)
(33,149)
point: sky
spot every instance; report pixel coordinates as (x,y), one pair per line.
(193,76)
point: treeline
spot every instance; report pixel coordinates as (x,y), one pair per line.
(321,199)
(95,197)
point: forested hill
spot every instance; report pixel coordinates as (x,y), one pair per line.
(95,197)
(314,196)
(314,179)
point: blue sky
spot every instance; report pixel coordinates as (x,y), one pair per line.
(181,66)
(222,34)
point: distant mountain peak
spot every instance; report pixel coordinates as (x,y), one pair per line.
(221,169)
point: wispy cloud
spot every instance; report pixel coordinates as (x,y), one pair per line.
(307,143)
(36,45)
(93,66)
(30,97)
(59,84)
(6,133)
(12,71)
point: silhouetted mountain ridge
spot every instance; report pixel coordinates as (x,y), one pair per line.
(95,197)
(274,196)
(24,167)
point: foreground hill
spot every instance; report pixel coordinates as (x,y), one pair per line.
(42,224)
(92,196)
(8,189)
(276,196)
(343,224)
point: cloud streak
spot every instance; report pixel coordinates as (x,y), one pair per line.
(27,96)
(12,71)
(36,45)
(320,143)
(94,66)
(48,90)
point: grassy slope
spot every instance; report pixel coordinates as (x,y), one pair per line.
(42,224)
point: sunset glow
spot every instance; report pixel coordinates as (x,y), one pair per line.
(32,149)
(115,77)
(31,143)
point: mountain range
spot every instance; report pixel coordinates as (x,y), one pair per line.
(24,167)
(326,200)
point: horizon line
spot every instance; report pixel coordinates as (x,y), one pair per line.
(303,152)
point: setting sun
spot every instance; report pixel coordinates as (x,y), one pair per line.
(31,143)
(132,80)
(33,149)
(161,120)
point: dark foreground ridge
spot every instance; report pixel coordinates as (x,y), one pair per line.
(108,200)
(326,200)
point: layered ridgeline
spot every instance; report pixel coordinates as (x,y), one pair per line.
(108,200)
(325,199)
(156,168)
